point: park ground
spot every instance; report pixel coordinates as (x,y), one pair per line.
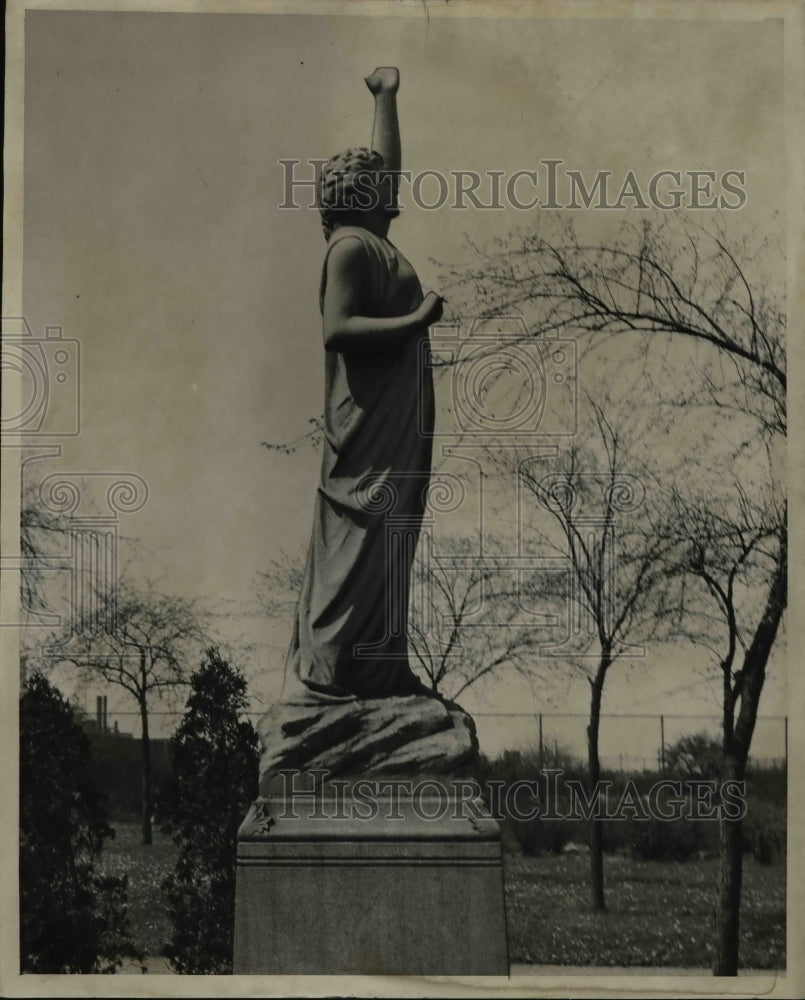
(659,912)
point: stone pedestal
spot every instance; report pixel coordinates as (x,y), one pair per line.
(368,851)
(357,883)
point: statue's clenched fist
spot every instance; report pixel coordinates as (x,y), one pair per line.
(384,80)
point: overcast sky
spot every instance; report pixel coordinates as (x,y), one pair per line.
(152,232)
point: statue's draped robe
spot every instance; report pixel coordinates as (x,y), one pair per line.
(350,629)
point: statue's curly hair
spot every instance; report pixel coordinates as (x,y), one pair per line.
(337,183)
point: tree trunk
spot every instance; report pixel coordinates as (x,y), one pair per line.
(737,744)
(757,655)
(728,914)
(145,746)
(594,770)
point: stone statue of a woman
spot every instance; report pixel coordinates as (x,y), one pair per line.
(350,631)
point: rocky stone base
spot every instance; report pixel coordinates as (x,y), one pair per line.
(413,735)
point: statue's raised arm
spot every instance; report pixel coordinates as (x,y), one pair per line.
(384,84)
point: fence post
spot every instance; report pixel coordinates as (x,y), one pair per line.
(541,750)
(662,744)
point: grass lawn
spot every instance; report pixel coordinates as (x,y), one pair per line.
(659,913)
(146,867)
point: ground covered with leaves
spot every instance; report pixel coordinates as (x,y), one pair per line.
(146,867)
(660,913)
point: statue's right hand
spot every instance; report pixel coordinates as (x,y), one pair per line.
(384,80)
(431,308)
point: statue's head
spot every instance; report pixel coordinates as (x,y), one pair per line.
(353,183)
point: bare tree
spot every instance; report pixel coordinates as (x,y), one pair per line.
(653,280)
(734,552)
(152,647)
(615,587)
(664,285)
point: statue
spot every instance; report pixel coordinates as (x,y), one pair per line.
(349,636)
(351,704)
(323,887)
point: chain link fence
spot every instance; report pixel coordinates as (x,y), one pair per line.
(628,742)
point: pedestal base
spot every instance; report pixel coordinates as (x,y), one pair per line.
(414,889)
